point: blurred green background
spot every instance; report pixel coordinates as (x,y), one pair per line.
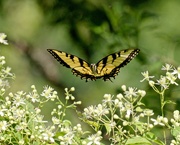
(90,29)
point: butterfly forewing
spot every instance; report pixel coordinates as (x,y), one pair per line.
(68,60)
(110,65)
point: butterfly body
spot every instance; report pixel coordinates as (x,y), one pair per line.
(106,68)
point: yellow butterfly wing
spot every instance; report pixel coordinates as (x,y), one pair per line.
(79,66)
(110,65)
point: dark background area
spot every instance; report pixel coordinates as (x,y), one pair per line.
(90,29)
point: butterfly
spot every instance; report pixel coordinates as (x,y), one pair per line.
(105,68)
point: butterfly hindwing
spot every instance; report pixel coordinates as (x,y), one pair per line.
(110,65)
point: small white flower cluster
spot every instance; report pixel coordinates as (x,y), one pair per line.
(68,134)
(175,128)
(47,94)
(170,78)
(172,74)
(22,118)
(68,94)
(119,113)
(95,139)
(123,115)
(162,121)
(176,120)
(5,74)
(18,112)
(95,111)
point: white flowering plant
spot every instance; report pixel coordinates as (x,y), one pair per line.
(21,121)
(127,121)
(121,119)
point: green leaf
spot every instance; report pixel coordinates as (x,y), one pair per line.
(108,127)
(175,131)
(150,136)
(138,141)
(92,123)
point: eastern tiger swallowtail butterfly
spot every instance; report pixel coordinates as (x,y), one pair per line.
(106,68)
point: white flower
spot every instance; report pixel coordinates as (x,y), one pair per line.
(116,116)
(162,82)
(128,113)
(37,110)
(2,111)
(177,71)
(158,121)
(176,115)
(119,96)
(21,126)
(95,111)
(112,124)
(2,38)
(78,128)
(48,136)
(18,99)
(49,93)
(68,137)
(171,78)
(130,92)
(3,125)
(167,67)
(88,112)
(142,92)
(21,142)
(18,113)
(146,76)
(66,89)
(34,97)
(72,89)
(148,112)
(100,110)
(107,98)
(7,71)
(95,139)
(123,87)
(151,83)
(55,120)
(165,120)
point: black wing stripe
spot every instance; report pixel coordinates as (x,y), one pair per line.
(66,54)
(104,62)
(81,62)
(114,56)
(71,57)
